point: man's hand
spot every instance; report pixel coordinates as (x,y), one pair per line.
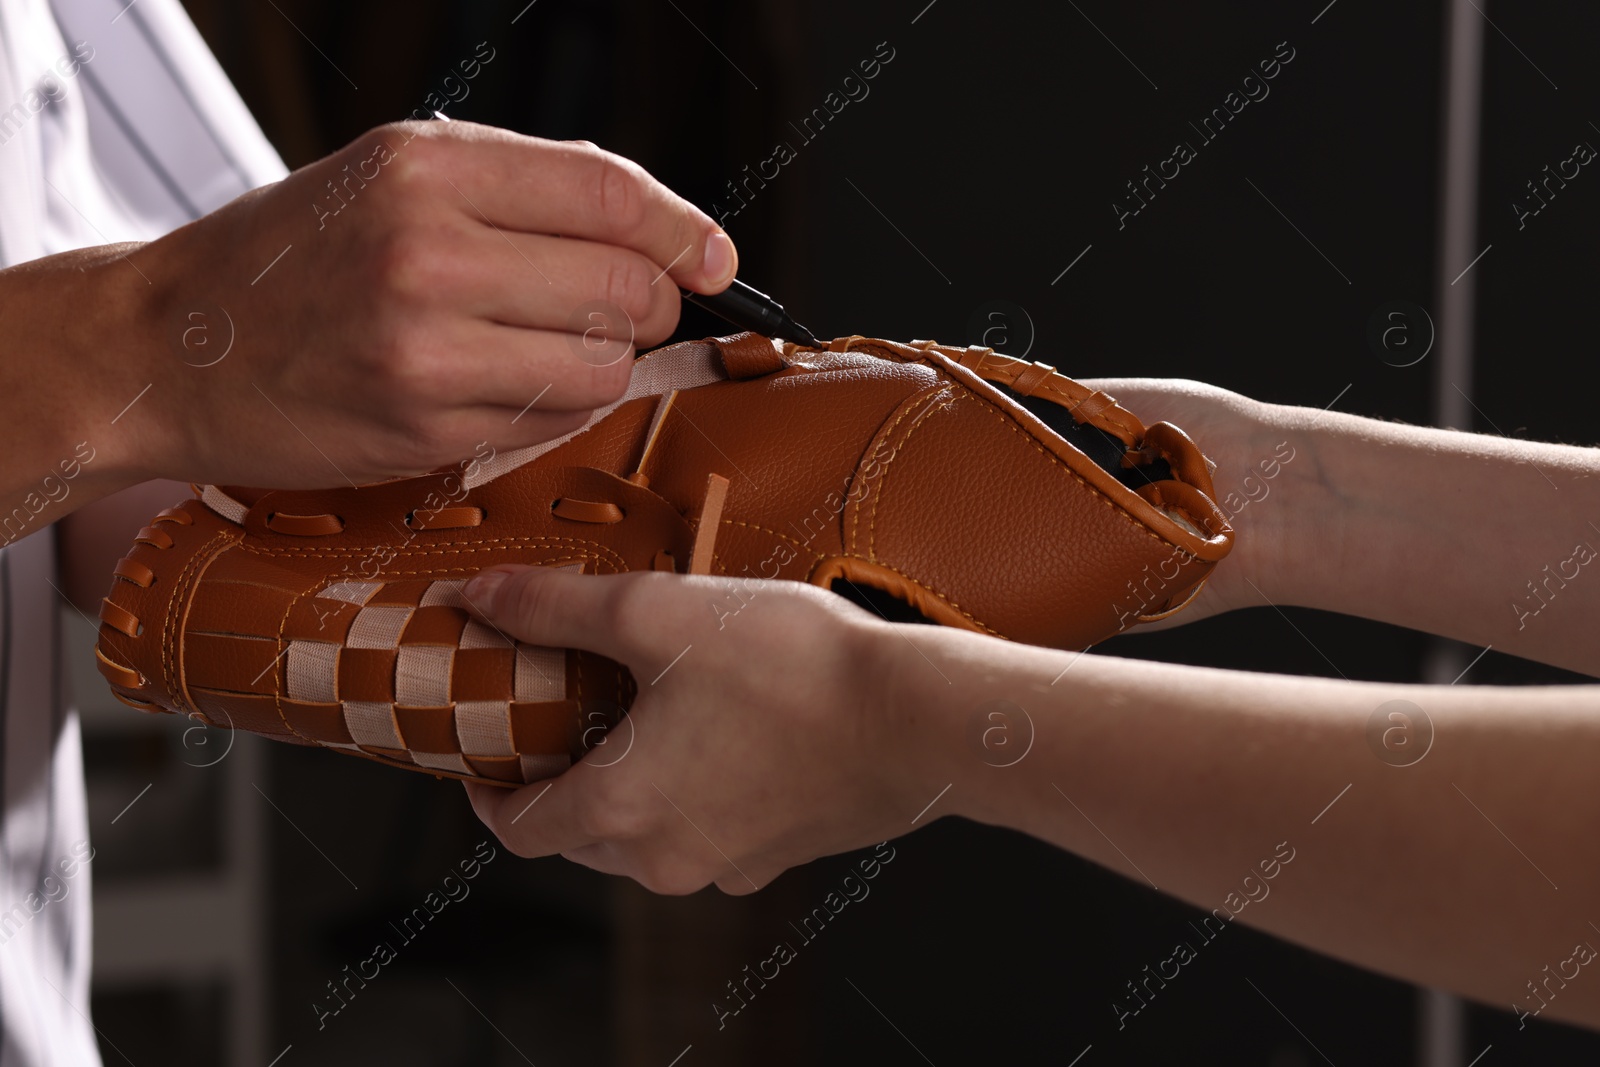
(758,741)
(380,312)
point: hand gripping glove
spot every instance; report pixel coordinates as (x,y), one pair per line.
(957,486)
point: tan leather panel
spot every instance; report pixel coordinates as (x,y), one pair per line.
(435,626)
(597,682)
(405,593)
(1068,522)
(759,552)
(248,568)
(612,446)
(239,711)
(748,431)
(309,618)
(483,673)
(427,729)
(242,608)
(240,664)
(366,674)
(544,727)
(318,722)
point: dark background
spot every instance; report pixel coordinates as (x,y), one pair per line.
(985,159)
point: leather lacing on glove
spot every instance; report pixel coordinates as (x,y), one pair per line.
(126,622)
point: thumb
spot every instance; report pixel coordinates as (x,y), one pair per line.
(555,609)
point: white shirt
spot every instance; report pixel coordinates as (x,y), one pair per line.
(116,124)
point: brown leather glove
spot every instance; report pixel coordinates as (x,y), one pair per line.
(955,485)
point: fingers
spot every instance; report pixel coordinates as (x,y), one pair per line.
(536,820)
(653,846)
(508,428)
(521,372)
(559,283)
(577,190)
(596,817)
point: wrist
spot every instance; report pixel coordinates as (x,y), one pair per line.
(109,330)
(961,711)
(912,703)
(1304,519)
(147,358)
(80,354)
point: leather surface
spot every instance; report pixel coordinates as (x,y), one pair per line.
(335,618)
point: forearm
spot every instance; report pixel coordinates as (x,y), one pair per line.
(1190,779)
(1470,536)
(77,354)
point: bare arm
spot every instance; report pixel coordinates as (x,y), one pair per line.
(1470,536)
(1264,797)
(73,359)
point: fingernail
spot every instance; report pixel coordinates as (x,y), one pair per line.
(481,590)
(718,265)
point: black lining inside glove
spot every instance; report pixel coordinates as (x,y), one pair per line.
(877,602)
(1102,447)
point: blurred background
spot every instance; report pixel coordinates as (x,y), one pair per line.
(967,192)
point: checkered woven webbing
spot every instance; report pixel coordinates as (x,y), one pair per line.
(400,670)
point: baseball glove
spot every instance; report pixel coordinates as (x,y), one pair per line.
(948,485)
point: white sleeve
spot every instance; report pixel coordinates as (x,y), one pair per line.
(166,127)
